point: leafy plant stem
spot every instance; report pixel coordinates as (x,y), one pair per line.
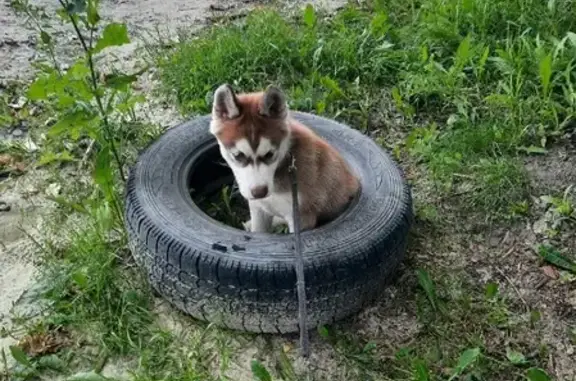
(50,46)
(31,13)
(94,80)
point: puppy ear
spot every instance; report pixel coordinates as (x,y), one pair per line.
(273,103)
(225,105)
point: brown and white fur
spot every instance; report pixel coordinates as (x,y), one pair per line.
(256,133)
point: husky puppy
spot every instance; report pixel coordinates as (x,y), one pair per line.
(258,138)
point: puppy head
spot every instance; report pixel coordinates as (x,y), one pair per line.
(253,135)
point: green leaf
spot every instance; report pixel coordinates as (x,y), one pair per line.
(65,202)
(103,168)
(52,362)
(406,108)
(114,34)
(317,55)
(62,125)
(259,371)
(76,6)
(129,103)
(93,16)
(428,286)
(63,14)
(72,123)
(45,37)
(484,57)
(79,277)
(466,359)
(514,357)
(463,52)
(535,316)
(20,356)
(546,72)
(491,290)
(120,81)
(553,256)
(403,353)
(378,23)
(421,372)
(397,98)
(369,347)
(537,374)
(6,119)
(309,15)
(332,85)
(50,157)
(323,331)
(287,371)
(78,71)
(572,37)
(38,89)
(424,54)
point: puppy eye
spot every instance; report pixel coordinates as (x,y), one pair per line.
(268,156)
(239,157)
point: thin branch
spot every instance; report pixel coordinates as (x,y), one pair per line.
(31,13)
(51,51)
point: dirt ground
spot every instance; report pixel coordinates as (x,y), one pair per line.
(504,256)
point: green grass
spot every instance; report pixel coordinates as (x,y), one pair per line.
(456,316)
(227,206)
(476,163)
(311,62)
(90,288)
(493,78)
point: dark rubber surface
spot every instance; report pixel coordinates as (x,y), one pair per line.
(247,281)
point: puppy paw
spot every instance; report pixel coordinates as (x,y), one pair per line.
(278,221)
(247,225)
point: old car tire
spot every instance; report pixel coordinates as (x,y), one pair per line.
(247,281)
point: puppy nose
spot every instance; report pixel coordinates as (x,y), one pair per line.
(260,191)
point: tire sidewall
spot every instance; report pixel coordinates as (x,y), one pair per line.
(159,186)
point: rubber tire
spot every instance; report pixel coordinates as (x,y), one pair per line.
(246,281)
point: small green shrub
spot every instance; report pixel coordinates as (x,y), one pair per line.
(88,288)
